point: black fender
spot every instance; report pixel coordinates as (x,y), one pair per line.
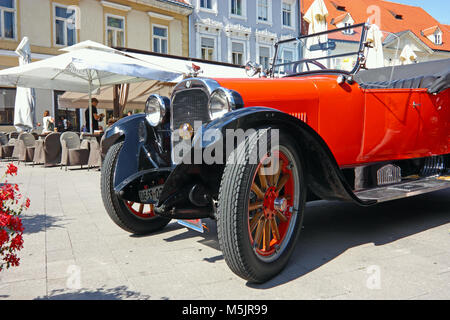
(324,177)
(139,154)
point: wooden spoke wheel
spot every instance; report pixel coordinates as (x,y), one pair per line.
(141,210)
(271,205)
(261,206)
(133,217)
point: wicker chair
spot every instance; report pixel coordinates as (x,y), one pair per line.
(4,143)
(73,151)
(48,150)
(95,156)
(24,147)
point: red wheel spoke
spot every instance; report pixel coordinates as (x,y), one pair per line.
(281,216)
(255,220)
(257,191)
(259,233)
(277,175)
(262,179)
(255,206)
(284,179)
(267,235)
(276,233)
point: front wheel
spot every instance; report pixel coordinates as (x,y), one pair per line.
(261,206)
(137,218)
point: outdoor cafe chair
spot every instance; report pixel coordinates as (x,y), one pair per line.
(73,151)
(48,150)
(5,148)
(25,146)
(95,158)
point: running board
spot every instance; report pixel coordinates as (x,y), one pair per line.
(404,190)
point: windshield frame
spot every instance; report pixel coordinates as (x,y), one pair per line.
(360,53)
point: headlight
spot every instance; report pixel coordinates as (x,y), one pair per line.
(156,108)
(220,103)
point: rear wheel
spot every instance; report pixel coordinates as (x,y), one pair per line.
(260,212)
(137,218)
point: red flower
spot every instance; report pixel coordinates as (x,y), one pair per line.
(17,242)
(11,227)
(4,237)
(12,169)
(16,224)
(4,220)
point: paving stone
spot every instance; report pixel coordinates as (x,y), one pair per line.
(69,236)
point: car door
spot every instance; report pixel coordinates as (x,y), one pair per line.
(391,124)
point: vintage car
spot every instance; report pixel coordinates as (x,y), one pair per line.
(249,153)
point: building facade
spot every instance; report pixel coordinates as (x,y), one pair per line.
(238,31)
(403,26)
(151,25)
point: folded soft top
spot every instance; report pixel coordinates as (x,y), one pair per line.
(432,75)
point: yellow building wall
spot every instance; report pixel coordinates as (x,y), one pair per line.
(36,21)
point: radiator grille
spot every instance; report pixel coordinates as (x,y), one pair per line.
(188,106)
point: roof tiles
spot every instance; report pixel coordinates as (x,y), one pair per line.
(391,17)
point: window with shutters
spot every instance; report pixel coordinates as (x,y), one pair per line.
(8,19)
(64,25)
(263,10)
(208,48)
(264,57)
(115,31)
(206,4)
(160,39)
(287,14)
(237,53)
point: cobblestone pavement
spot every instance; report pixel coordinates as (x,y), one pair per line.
(72,250)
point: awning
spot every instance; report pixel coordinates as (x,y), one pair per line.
(137,96)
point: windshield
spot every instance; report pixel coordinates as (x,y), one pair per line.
(333,50)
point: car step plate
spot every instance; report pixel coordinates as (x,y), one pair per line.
(196,224)
(405,190)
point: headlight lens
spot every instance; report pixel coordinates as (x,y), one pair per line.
(155,109)
(220,103)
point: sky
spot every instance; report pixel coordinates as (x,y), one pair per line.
(439,9)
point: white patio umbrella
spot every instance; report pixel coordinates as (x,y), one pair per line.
(85,68)
(316,16)
(375,56)
(407,56)
(137,95)
(25,105)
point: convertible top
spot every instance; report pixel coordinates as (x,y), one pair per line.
(432,75)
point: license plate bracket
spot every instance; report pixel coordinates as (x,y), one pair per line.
(150,195)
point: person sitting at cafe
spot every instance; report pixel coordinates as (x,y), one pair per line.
(111,121)
(48,123)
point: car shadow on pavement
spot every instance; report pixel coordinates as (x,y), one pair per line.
(38,222)
(117,293)
(331,228)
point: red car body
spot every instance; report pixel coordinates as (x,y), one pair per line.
(360,126)
(366,136)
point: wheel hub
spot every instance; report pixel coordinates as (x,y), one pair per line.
(272,203)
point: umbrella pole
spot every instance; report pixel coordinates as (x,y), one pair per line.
(90,108)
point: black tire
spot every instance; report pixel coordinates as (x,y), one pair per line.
(234,218)
(116,208)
